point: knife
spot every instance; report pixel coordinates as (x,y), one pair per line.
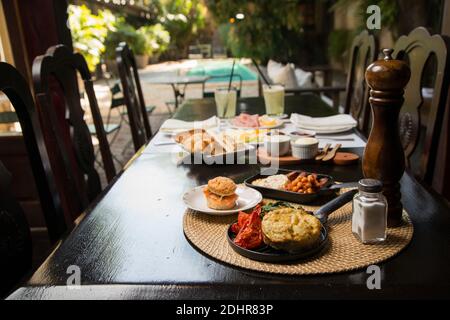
(330,155)
(324,152)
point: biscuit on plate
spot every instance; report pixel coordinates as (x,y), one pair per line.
(217,202)
(222,186)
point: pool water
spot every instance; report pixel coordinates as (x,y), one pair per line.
(221,71)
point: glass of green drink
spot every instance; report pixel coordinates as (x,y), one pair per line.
(274,99)
(225,102)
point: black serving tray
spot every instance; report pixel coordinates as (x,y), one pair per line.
(266,253)
(291,196)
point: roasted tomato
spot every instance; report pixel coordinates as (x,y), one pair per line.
(250,235)
(235,228)
(242,218)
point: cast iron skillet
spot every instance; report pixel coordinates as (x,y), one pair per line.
(328,189)
(266,253)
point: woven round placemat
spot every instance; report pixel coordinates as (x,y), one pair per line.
(342,252)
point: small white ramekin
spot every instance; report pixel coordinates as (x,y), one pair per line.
(277,145)
(305,148)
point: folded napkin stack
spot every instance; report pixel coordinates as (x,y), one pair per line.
(340,122)
(174,125)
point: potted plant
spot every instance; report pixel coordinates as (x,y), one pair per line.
(123,32)
(141,49)
(89,32)
(157,38)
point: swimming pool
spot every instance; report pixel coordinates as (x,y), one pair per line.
(221,70)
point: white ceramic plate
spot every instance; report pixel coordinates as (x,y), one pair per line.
(219,158)
(279,123)
(242,136)
(247,199)
(278,116)
(174,132)
(171,133)
(329,130)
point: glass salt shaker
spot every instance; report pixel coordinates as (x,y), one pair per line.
(369,220)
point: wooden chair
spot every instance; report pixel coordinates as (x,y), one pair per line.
(18,92)
(15,238)
(55,75)
(134,99)
(420,137)
(363,52)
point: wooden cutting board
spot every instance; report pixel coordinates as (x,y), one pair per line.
(265,158)
(341,158)
(345,158)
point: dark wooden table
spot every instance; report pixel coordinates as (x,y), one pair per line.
(307,104)
(131,243)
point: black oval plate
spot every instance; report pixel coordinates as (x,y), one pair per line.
(266,253)
(290,196)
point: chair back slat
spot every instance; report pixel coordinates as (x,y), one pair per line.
(134,99)
(18,92)
(362,54)
(80,180)
(15,238)
(420,137)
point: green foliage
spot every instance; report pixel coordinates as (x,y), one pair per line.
(124,32)
(183,19)
(157,37)
(89,32)
(389,11)
(177,26)
(270,29)
(339,41)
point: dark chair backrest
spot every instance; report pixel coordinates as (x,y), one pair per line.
(18,92)
(15,238)
(362,53)
(134,99)
(55,75)
(420,137)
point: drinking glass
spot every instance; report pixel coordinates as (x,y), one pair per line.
(274,99)
(225,102)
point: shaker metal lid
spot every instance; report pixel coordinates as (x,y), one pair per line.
(370,185)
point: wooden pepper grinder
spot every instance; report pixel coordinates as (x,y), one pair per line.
(384,158)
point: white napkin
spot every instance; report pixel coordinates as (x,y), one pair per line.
(318,123)
(172,125)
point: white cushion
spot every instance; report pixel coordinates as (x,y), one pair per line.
(304,79)
(286,77)
(273,69)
